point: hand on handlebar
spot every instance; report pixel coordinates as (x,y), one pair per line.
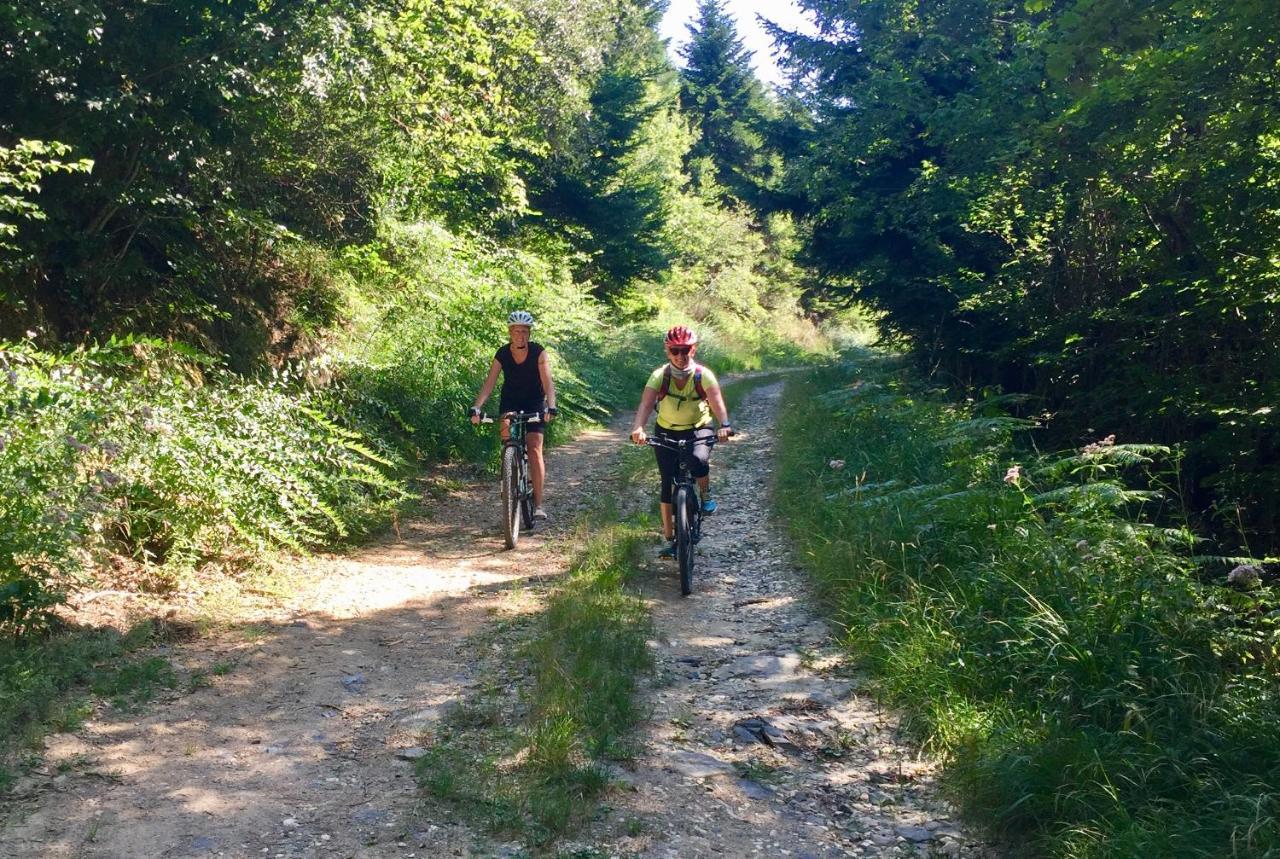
(638,436)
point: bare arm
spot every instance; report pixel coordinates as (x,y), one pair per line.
(715,399)
(647,399)
(486,389)
(548,386)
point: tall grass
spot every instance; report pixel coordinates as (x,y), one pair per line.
(1089,694)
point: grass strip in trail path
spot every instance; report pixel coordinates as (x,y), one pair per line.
(529,759)
(1091,697)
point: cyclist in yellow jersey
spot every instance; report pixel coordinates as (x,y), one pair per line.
(686,395)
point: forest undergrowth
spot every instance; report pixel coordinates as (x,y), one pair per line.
(1038,619)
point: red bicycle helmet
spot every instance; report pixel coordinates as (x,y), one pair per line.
(680,336)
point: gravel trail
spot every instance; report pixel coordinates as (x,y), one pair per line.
(299,740)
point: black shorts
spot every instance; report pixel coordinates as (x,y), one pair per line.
(699,456)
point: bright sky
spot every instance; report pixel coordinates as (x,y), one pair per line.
(782,12)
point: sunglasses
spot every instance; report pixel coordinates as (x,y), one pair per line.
(679,350)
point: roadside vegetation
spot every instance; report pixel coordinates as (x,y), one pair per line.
(1039,618)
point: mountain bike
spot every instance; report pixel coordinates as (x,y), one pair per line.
(686,506)
(517,488)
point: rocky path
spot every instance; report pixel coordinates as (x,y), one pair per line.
(299,741)
(760,744)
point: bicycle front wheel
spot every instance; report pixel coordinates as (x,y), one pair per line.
(510,497)
(682,507)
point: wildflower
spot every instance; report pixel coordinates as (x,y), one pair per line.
(111,449)
(108,478)
(13,377)
(75,444)
(146,412)
(1245,576)
(1097,447)
(1013,475)
(836,464)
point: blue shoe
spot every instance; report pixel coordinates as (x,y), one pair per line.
(709,506)
(668,551)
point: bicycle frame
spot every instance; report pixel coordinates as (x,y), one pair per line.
(516,486)
(686,506)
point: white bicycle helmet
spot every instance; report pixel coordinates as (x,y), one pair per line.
(520,317)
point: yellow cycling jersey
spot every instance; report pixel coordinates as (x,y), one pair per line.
(681,409)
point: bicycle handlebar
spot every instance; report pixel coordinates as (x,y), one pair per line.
(684,443)
(531,417)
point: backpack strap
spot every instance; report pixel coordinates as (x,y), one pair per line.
(665,388)
(666,384)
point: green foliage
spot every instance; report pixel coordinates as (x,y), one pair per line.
(224,137)
(613,180)
(37,679)
(21,169)
(431,311)
(139,449)
(1072,200)
(1055,646)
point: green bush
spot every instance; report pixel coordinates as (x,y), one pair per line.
(1057,648)
(145,450)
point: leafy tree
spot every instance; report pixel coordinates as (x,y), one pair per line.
(1071,200)
(227,138)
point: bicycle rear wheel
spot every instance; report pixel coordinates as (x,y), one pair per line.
(684,537)
(510,497)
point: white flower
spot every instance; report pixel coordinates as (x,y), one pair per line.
(836,464)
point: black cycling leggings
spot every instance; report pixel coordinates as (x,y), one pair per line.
(699,455)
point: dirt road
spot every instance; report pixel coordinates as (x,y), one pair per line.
(299,744)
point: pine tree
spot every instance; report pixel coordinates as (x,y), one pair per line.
(614,180)
(720,90)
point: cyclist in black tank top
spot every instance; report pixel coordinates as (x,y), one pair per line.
(526,387)
(522,389)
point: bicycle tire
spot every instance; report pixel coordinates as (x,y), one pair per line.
(526,500)
(684,538)
(510,497)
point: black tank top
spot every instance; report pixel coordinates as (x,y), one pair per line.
(521,383)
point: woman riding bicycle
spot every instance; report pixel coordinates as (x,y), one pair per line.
(526,387)
(686,395)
